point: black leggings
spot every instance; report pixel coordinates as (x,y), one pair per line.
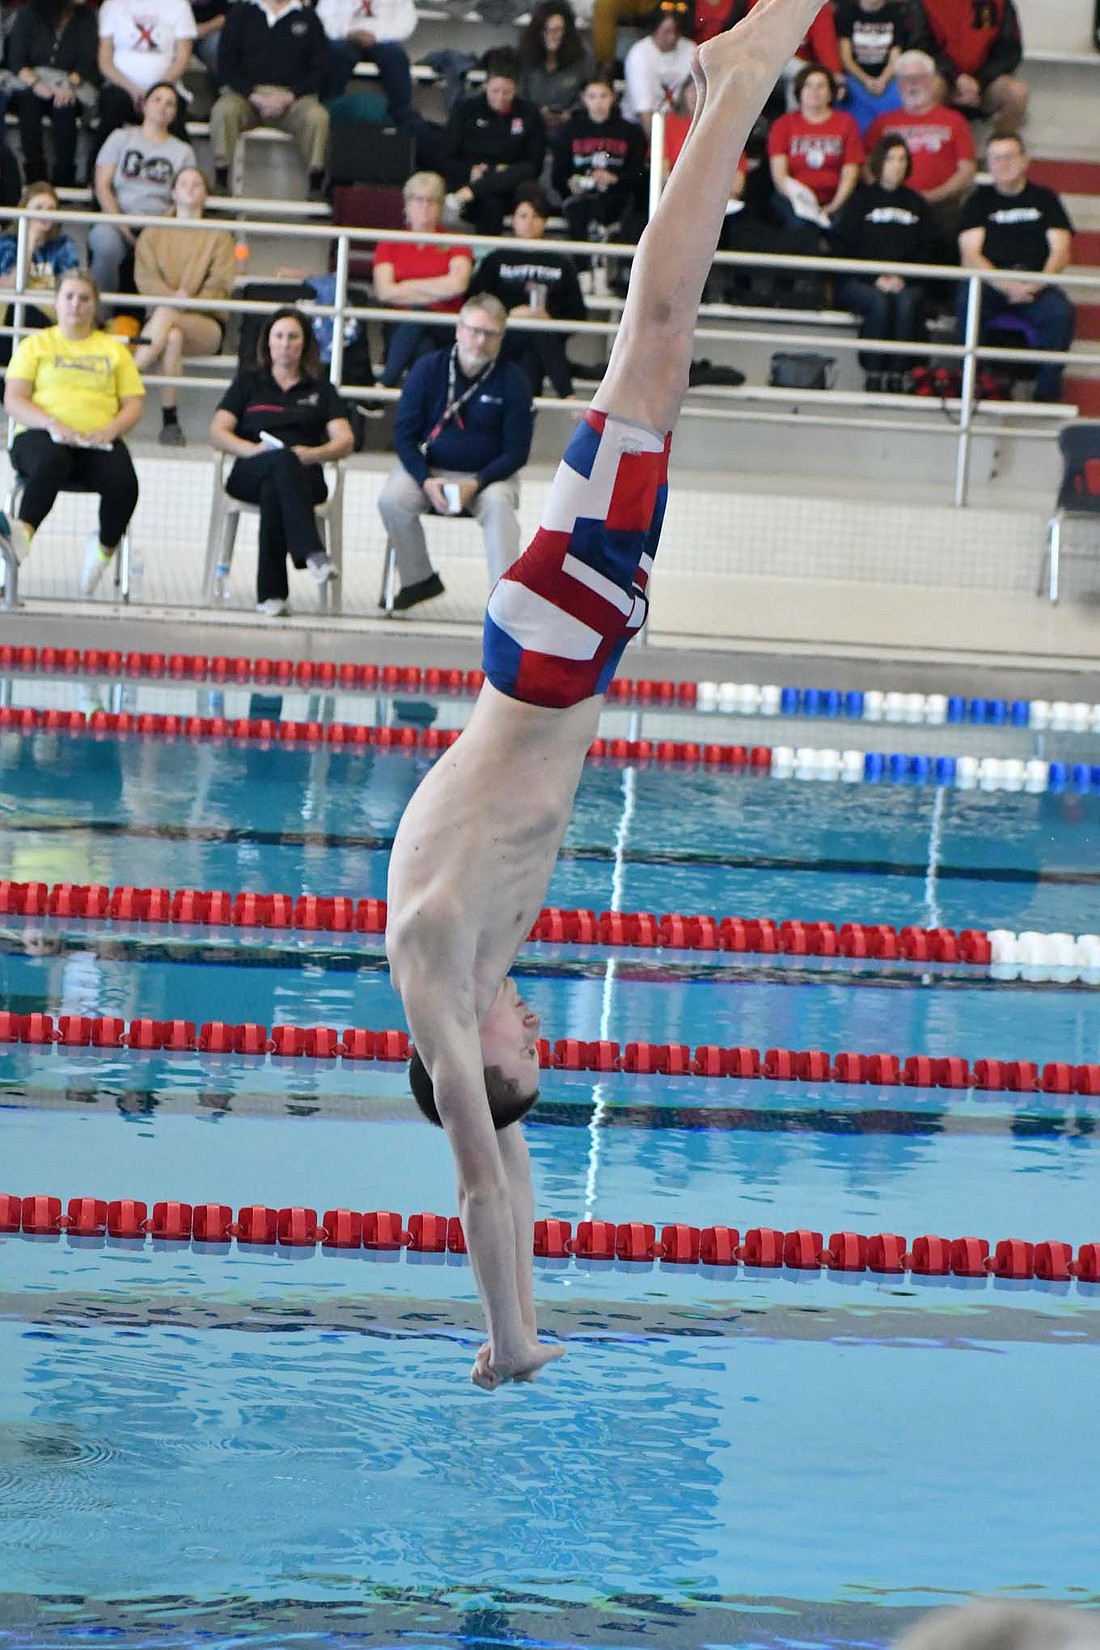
(286,491)
(48,468)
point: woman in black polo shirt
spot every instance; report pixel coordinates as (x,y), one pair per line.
(282,422)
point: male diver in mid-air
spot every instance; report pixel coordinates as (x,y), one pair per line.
(475,850)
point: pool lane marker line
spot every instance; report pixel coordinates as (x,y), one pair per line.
(708,1060)
(966,772)
(742,698)
(1000,950)
(764,1248)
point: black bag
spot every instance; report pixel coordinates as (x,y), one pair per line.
(801,372)
(361,153)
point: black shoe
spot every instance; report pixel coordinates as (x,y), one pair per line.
(874,383)
(895,383)
(411,595)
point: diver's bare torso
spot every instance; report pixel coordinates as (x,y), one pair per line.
(477,844)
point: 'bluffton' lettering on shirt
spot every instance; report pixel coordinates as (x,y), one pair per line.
(892,214)
(1015,214)
(548,274)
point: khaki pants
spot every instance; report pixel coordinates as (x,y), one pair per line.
(402,502)
(606,17)
(306,120)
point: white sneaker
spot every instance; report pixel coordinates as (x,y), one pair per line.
(320,568)
(273,608)
(95,565)
(20,539)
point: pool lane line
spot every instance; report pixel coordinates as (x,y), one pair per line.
(710,1060)
(744,698)
(1079,953)
(964,772)
(764,1248)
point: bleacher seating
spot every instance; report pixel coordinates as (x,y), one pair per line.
(738,335)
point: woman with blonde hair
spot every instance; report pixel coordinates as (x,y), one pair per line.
(73,392)
(429,274)
(171,262)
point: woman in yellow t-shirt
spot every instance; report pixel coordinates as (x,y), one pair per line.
(74,392)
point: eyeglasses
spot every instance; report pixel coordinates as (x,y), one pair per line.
(425,200)
(481,332)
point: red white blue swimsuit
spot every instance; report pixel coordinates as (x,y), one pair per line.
(559,619)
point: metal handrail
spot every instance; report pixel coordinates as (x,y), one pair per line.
(344,237)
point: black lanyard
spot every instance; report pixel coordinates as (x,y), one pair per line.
(455,403)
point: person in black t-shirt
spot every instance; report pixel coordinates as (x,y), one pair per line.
(1014,225)
(534,286)
(885,222)
(282,423)
(871,34)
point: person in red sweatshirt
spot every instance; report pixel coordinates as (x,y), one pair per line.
(977,47)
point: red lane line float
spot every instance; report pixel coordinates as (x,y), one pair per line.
(568,1054)
(340,914)
(764,1248)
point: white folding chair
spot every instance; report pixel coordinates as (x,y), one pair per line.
(226,512)
(9,567)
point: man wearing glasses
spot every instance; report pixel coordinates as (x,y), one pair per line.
(462,435)
(475,849)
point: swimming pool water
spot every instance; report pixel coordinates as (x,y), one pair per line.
(271,1447)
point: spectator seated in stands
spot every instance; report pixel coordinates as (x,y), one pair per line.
(885,222)
(73,393)
(370,31)
(658,68)
(939,141)
(271,62)
(50,254)
(1015,225)
(463,433)
(872,34)
(495,141)
(599,167)
(283,422)
(133,174)
(52,54)
(181,263)
(429,274)
(140,46)
(815,153)
(554,65)
(534,285)
(978,49)
(750,226)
